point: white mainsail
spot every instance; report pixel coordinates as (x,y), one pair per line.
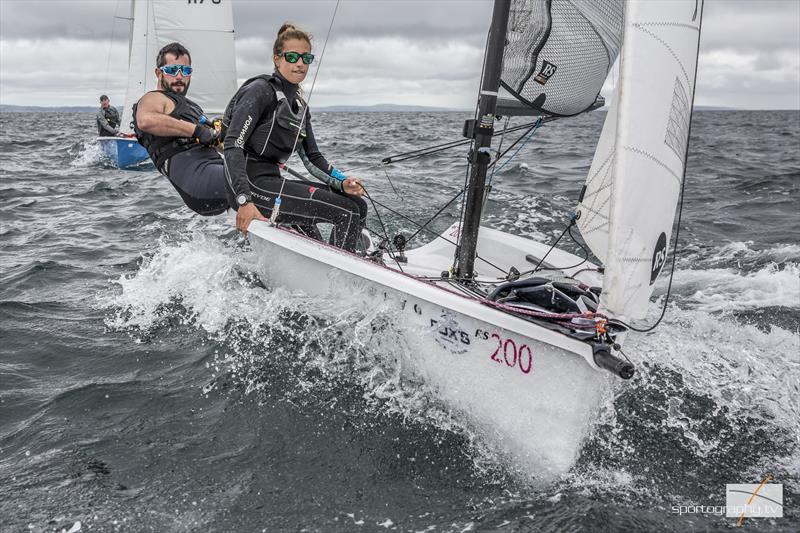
(204,28)
(628,207)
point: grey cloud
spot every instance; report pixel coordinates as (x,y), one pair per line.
(49,19)
(94,19)
(758,26)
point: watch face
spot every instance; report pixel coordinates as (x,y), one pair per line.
(241,199)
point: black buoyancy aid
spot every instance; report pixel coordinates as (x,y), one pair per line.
(112,117)
(162,148)
(275,136)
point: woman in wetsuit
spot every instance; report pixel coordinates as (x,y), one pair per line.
(266,120)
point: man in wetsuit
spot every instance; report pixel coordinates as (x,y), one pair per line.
(177,136)
(107,119)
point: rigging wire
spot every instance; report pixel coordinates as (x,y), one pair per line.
(383,227)
(527,136)
(432,232)
(451,144)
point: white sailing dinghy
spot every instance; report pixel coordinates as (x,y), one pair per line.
(522,355)
(206,30)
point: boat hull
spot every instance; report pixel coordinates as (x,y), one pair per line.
(123,152)
(530,393)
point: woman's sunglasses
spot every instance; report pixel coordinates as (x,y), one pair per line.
(292,57)
(172,70)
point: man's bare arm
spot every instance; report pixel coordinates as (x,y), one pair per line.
(152,116)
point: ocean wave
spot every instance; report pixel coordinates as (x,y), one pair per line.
(720,289)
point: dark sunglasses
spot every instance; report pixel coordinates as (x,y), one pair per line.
(292,57)
(172,70)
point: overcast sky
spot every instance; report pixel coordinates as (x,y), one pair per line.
(56,52)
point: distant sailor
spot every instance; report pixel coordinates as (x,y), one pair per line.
(266,120)
(107,119)
(178,137)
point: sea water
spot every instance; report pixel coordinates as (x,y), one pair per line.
(151,381)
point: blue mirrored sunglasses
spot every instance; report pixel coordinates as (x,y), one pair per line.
(172,70)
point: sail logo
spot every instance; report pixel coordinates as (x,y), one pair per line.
(659,257)
(547,71)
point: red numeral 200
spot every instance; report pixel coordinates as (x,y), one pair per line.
(512,356)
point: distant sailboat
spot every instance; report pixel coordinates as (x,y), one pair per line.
(517,352)
(206,30)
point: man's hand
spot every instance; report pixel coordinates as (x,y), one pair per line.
(353,186)
(206,136)
(246,214)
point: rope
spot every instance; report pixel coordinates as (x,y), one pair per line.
(541,314)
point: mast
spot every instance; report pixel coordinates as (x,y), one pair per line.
(481,130)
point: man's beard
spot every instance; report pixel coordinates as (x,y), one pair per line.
(167,86)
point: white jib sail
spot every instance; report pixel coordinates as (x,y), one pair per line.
(628,208)
(204,28)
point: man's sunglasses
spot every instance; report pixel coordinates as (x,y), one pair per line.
(292,57)
(172,70)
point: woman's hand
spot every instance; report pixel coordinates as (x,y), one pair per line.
(353,186)
(246,214)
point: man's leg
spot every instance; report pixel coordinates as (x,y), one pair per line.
(198,176)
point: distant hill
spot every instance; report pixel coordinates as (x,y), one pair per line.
(377,108)
(384,108)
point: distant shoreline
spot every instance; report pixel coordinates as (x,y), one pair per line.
(378,108)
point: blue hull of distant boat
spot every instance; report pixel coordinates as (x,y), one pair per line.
(123,152)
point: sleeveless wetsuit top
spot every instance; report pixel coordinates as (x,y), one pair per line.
(162,148)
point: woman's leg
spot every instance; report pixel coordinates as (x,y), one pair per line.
(306,203)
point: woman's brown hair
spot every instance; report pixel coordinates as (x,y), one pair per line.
(289,31)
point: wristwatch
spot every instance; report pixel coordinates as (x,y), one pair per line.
(242,199)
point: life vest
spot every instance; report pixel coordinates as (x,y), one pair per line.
(112,117)
(274,136)
(162,148)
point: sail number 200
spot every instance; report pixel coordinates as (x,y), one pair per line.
(509,353)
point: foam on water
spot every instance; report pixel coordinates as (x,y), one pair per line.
(87,154)
(318,344)
(740,374)
(720,289)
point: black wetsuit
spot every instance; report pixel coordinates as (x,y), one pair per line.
(107,122)
(261,135)
(194,170)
